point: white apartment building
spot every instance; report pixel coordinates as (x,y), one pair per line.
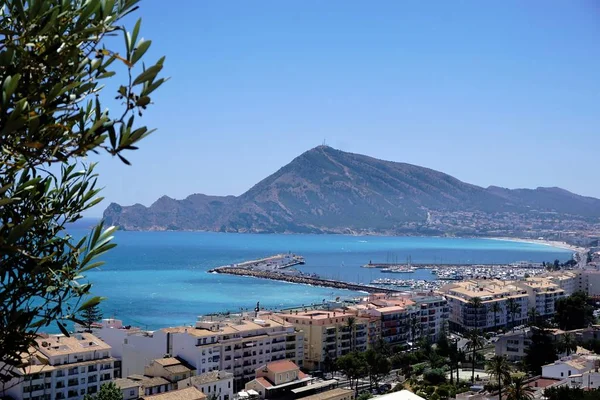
(237,344)
(464,316)
(568,281)
(63,368)
(216,383)
(433,313)
(542,294)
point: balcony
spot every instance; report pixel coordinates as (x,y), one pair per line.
(291,346)
(73,383)
(92,368)
(60,384)
(73,371)
(93,379)
(105,377)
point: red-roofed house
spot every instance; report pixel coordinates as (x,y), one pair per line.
(277,379)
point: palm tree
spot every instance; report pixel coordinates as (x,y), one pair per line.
(517,389)
(413,331)
(475,343)
(513,308)
(499,368)
(567,344)
(476,304)
(533,316)
(351,325)
(495,310)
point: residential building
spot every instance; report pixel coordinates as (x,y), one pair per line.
(215,383)
(173,369)
(328,335)
(62,368)
(236,343)
(568,281)
(586,380)
(542,293)
(190,393)
(277,379)
(404,318)
(131,389)
(510,301)
(513,345)
(568,366)
(434,313)
(151,384)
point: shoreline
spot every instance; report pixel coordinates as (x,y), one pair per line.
(543,242)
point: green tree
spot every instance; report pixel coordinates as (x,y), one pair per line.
(351,326)
(108,391)
(567,344)
(499,368)
(574,312)
(414,326)
(533,316)
(476,304)
(541,350)
(475,343)
(89,316)
(354,366)
(496,309)
(569,393)
(513,309)
(518,389)
(54,61)
(378,366)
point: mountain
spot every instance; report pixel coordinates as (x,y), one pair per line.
(325,190)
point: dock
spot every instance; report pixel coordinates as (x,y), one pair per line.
(277,268)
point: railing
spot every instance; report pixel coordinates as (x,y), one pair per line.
(92,368)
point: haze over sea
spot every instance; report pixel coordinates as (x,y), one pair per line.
(158,279)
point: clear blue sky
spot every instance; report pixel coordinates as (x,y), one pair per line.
(504,93)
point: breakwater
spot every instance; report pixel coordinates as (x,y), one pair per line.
(302,279)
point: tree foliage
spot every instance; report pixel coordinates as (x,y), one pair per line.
(89,316)
(53,62)
(574,312)
(108,391)
(499,368)
(541,350)
(568,393)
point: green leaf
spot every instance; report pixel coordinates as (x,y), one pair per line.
(63,329)
(136,30)
(94,301)
(147,75)
(140,50)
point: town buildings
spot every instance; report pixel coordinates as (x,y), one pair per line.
(216,384)
(277,380)
(62,368)
(237,344)
(509,301)
(328,335)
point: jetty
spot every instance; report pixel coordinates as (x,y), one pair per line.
(277,268)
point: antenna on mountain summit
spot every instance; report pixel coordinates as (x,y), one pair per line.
(324,142)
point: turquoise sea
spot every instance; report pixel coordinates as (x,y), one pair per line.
(157,279)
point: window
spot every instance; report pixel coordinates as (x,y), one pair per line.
(132,392)
(562,374)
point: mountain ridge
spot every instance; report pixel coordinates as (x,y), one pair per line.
(325,190)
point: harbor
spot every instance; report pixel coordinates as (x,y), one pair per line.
(278,268)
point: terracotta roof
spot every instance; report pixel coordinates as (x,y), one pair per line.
(125,383)
(209,377)
(190,393)
(149,381)
(177,369)
(282,366)
(302,375)
(264,382)
(542,382)
(167,361)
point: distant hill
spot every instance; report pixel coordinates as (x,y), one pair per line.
(330,191)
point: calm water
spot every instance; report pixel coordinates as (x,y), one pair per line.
(157,279)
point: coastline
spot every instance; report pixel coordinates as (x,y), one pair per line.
(551,243)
